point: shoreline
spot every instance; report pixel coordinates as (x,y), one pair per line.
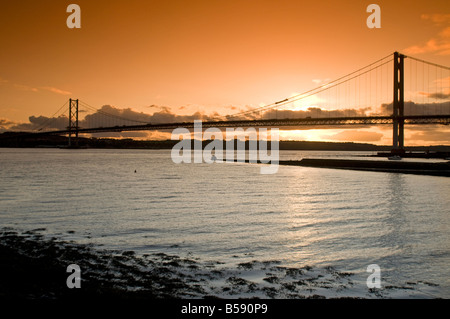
(34,267)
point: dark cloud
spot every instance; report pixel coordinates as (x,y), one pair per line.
(428,128)
(6,122)
(313,112)
(108,116)
(439,96)
(412,108)
(40,122)
(6,125)
(432,136)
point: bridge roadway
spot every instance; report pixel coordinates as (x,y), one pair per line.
(280,123)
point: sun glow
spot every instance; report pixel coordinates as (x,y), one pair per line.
(303,104)
(303,135)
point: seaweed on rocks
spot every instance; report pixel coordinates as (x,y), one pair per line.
(34,266)
(37,269)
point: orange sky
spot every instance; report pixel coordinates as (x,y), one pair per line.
(208,56)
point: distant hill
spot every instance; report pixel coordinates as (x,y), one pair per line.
(25,140)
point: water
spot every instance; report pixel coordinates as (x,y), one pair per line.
(229,212)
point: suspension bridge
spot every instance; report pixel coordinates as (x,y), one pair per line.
(396,90)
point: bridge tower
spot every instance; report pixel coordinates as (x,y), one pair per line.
(73,121)
(398,104)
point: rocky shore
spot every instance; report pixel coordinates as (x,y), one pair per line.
(34,267)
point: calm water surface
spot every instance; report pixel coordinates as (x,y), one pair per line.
(231,213)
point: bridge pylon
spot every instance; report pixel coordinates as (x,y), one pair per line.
(73,121)
(398,104)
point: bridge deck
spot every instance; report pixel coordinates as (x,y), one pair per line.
(280,123)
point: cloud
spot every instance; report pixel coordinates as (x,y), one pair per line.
(119,117)
(25,88)
(435,136)
(6,124)
(37,123)
(107,116)
(153,106)
(56,90)
(320,81)
(439,96)
(440,44)
(438,18)
(412,108)
(314,112)
(355,135)
(163,114)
